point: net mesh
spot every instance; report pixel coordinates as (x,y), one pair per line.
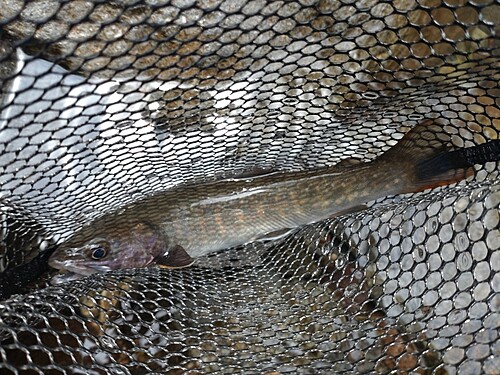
(106,102)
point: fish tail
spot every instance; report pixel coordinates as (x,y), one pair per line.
(425,158)
(442,169)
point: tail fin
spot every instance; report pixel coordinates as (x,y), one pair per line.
(426,157)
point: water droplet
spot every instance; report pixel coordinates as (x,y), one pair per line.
(464,261)
(432,225)
(419,254)
(461,241)
(340,261)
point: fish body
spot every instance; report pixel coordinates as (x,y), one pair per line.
(172,227)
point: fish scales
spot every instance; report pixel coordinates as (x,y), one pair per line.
(171,227)
(223,214)
(272,207)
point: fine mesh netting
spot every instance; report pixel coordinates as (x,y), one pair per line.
(104,103)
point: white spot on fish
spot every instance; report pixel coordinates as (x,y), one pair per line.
(227,198)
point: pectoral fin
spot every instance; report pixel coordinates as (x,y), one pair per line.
(176,257)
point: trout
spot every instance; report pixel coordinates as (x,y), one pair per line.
(172,227)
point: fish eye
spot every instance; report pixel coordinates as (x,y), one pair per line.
(98,253)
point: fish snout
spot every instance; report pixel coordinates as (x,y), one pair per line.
(71,259)
(62,256)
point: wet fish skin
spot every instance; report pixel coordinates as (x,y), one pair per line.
(209,217)
(126,246)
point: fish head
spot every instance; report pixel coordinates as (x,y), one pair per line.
(124,246)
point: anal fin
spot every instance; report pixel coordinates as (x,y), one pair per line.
(275,235)
(349,162)
(176,257)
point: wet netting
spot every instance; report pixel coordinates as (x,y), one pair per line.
(104,103)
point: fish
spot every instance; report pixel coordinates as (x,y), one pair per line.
(173,227)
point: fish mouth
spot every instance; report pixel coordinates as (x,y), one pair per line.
(70,266)
(70,271)
(62,278)
(77,266)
